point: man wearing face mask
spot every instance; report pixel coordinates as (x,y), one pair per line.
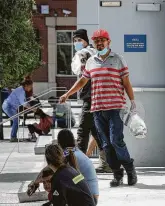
(86,126)
(109,76)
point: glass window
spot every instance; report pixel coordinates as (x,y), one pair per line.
(65,52)
(64,56)
(64,37)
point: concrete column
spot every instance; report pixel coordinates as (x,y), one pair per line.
(51,23)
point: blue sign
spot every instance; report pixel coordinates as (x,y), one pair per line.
(135,43)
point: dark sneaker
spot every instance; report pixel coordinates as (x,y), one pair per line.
(33,138)
(103,170)
(118,178)
(116,182)
(13,140)
(132,177)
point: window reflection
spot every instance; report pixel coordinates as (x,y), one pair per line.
(64,57)
(64,37)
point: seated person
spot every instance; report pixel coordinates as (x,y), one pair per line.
(66,182)
(62,113)
(44,177)
(44,126)
(76,159)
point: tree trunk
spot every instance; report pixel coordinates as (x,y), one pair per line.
(1,126)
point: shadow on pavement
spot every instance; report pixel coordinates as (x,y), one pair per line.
(17,177)
(150,187)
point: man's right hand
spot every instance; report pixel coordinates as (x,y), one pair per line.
(63,98)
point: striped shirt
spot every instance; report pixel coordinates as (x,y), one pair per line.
(107,90)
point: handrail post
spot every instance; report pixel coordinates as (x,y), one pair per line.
(18,129)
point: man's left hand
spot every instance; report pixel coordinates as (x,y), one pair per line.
(133,106)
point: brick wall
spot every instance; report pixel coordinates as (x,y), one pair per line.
(55,6)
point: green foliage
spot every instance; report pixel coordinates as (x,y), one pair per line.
(19,50)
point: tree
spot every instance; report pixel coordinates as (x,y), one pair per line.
(19,50)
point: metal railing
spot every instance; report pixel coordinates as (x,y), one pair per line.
(53,89)
(29,109)
(25,111)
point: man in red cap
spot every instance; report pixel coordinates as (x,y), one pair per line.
(86,124)
(109,76)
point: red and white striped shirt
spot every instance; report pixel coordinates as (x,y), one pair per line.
(107,90)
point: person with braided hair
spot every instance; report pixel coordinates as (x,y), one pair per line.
(78,160)
(75,158)
(68,186)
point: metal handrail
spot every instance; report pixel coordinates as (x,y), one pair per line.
(29,109)
(49,89)
(20,113)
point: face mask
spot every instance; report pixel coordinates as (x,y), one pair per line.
(103,52)
(78,46)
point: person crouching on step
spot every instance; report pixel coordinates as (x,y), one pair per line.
(44,126)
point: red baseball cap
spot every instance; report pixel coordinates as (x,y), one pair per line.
(100,33)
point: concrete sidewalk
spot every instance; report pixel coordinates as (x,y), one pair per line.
(16,168)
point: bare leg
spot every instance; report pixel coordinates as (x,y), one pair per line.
(92,145)
(103,165)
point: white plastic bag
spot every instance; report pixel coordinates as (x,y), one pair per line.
(137,126)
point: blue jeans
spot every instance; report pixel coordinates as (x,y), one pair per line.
(110,130)
(10,111)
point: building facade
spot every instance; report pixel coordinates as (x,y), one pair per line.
(54,23)
(137,31)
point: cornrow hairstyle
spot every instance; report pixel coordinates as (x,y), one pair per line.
(66,140)
(70,157)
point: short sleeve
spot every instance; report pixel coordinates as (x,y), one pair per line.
(86,71)
(123,67)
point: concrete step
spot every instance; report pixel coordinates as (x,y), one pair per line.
(30,118)
(42,140)
(39,195)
